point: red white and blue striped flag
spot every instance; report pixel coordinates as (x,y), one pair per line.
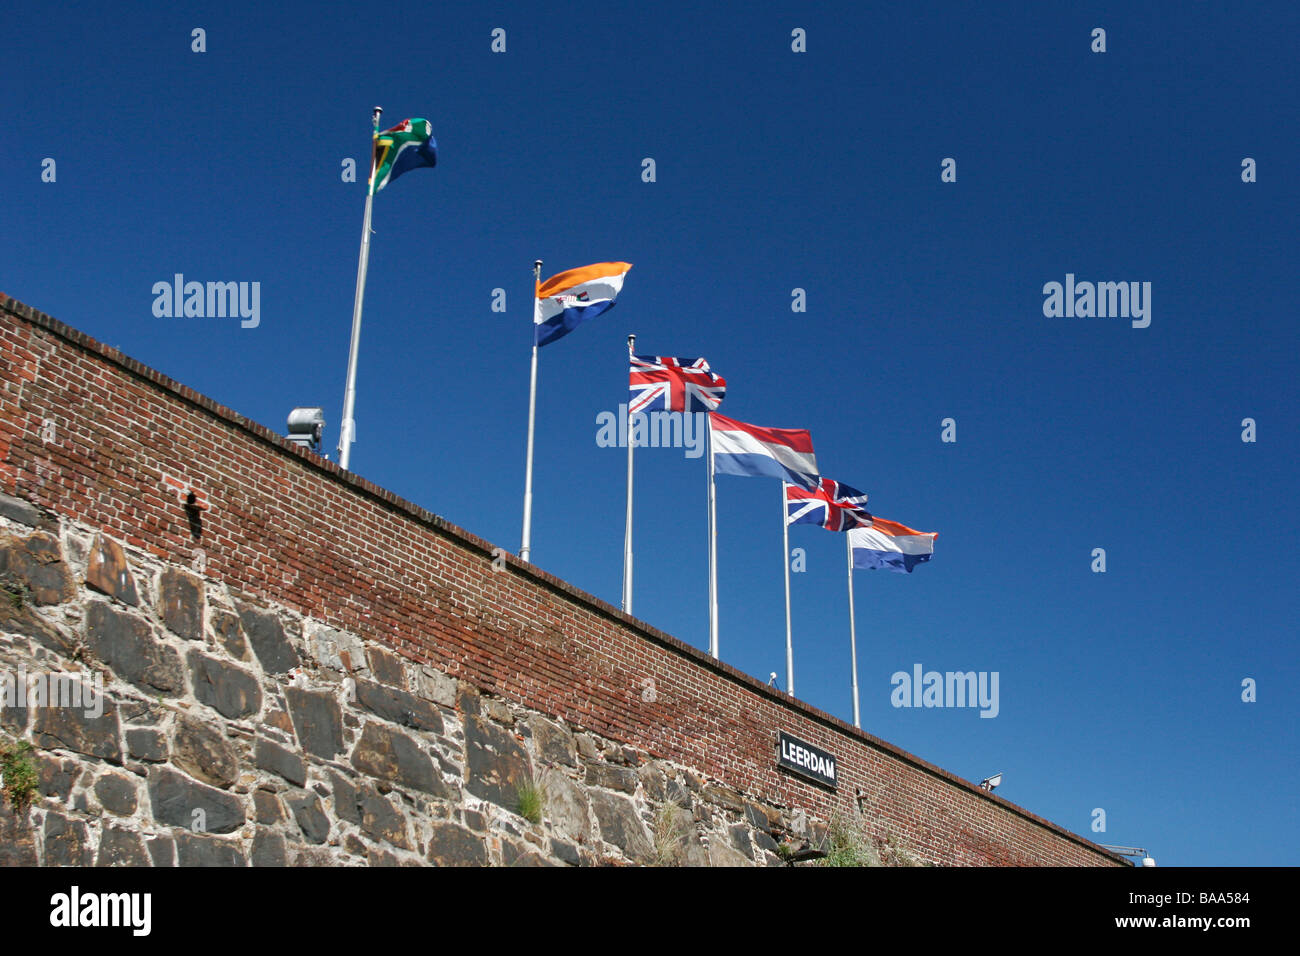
(834,505)
(758,452)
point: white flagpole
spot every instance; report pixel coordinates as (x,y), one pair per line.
(627,528)
(785,561)
(713,552)
(853,635)
(347,427)
(525,547)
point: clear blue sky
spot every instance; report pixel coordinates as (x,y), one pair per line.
(775,170)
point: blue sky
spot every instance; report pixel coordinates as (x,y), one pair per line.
(775,170)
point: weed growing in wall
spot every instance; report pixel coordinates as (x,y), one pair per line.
(18,772)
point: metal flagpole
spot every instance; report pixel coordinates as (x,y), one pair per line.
(525,547)
(347,428)
(853,635)
(627,528)
(713,552)
(785,560)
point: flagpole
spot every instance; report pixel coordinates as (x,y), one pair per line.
(347,427)
(713,552)
(853,635)
(526,546)
(785,562)
(627,526)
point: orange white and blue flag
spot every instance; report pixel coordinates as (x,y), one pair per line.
(891,546)
(566,300)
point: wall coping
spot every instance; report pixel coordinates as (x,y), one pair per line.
(423,516)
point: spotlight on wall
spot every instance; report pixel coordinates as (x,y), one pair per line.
(1130,851)
(306,425)
(991,783)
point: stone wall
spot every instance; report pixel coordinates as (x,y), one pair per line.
(334,675)
(230,733)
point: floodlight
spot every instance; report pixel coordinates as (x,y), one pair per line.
(306,425)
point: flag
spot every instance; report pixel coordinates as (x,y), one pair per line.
(408,145)
(570,298)
(888,544)
(755,451)
(834,506)
(663,384)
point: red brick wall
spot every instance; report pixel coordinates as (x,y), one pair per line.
(285,526)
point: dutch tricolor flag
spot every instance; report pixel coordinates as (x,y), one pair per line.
(755,451)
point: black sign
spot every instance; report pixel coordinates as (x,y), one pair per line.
(805,759)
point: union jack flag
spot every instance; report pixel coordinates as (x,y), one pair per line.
(834,506)
(662,383)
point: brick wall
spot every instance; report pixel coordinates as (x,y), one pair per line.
(277,524)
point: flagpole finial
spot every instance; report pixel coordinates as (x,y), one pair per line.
(379,110)
(537,263)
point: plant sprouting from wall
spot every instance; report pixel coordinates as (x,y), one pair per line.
(849,844)
(670,830)
(18,771)
(531,801)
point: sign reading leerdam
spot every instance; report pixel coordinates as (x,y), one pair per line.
(804,759)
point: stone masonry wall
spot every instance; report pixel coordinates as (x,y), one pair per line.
(332,675)
(233,734)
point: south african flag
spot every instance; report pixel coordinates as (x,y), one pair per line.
(408,145)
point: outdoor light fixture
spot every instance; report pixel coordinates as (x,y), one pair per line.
(991,783)
(306,425)
(1130,851)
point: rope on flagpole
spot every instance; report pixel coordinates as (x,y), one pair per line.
(713,551)
(627,528)
(853,635)
(347,427)
(526,545)
(785,562)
